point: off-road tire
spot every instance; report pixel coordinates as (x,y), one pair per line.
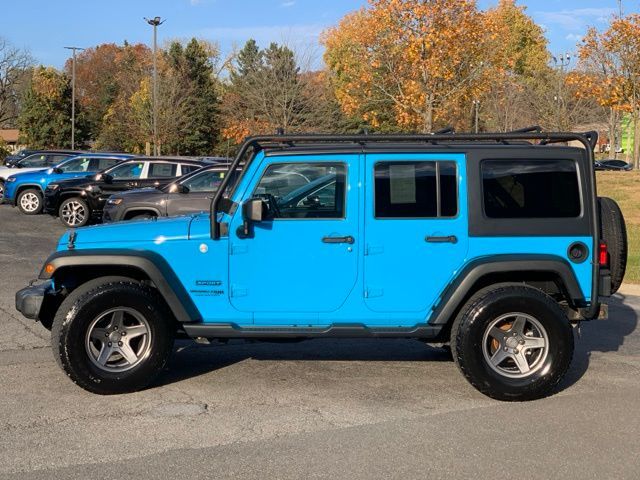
(78,311)
(614,233)
(476,316)
(33,193)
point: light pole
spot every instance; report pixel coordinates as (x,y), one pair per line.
(155,23)
(560,63)
(476,106)
(73,96)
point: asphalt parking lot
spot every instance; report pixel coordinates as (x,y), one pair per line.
(317,409)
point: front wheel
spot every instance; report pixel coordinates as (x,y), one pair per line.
(74,212)
(30,202)
(112,335)
(1,189)
(512,342)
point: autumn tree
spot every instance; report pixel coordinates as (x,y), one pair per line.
(45,118)
(14,76)
(610,72)
(411,64)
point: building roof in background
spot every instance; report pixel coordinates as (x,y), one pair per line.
(10,135)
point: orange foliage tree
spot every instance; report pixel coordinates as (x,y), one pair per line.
(411,64)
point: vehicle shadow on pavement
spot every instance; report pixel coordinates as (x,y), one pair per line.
(601,336)
(190,360)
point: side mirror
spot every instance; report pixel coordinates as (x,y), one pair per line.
(56,170)
(105,177)
(253,211)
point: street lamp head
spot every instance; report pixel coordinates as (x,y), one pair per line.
(155,21)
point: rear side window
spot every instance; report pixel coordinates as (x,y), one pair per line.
(56,159)
(98,164)
(530,189)
(162,170)
(416,189)
(189,168)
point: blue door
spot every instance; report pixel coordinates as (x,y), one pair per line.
(415,229)
(303,261)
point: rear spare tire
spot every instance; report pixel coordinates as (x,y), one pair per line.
(614,232)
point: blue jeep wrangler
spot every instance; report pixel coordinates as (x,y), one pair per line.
(494,243)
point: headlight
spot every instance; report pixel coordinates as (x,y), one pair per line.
(11,179)
(114,201)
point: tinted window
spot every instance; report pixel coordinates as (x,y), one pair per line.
(411,190)
(99,164)
(304,190)
(530,189)
(127,171)
(189,168)
(205,182)
(162,170)
(56,159)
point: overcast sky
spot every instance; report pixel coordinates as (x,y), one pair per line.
(46,26)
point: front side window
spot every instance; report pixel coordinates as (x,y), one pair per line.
(79,164)
(415,189)
(56,159)
(128,171)
(530,189)
(304,190)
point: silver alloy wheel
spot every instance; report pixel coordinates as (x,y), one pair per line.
(30,202)
(118,339)
(73,213)
(1,190)
(515,345)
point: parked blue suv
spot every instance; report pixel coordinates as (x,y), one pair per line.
(494,243)
(26,190)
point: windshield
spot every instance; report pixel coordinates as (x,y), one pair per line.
(127,171)
(76,164)
(34,161)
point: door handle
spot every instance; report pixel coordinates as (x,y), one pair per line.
(449,239)
(348,239)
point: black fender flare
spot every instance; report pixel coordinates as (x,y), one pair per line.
(142,209)
(460,288)
(150,263)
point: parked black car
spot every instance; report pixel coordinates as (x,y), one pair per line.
(49,157)
(191,193)
(613,164)
(80,200)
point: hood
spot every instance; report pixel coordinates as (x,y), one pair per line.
(138,192)
(31,175)
(129,234)
(7,171)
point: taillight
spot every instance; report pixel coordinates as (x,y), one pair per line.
(603,255)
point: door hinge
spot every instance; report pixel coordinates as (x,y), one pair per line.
(373,292)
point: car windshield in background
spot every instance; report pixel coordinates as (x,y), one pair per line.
(126,171)
(77,164)
(205,182)
(33,161)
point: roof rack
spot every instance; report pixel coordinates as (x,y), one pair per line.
(588,139)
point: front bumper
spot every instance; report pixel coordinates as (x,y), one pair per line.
(29,300)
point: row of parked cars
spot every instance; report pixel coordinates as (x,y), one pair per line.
(80,188)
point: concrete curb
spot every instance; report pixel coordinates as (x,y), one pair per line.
(629,289)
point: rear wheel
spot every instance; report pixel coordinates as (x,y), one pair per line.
(74,212)
(30,202)
(512,342)
(1,189)
(112,335)
(614,233)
